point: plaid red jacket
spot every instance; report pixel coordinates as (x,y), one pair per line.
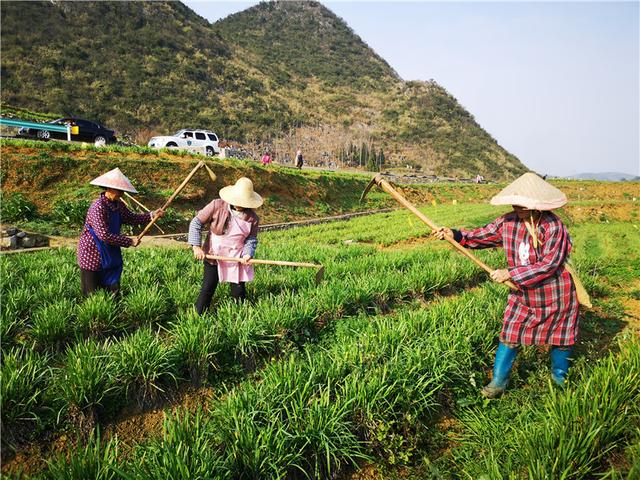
(545,309)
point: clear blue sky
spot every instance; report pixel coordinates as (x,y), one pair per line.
(557,84)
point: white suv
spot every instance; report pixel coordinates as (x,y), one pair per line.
(189,138)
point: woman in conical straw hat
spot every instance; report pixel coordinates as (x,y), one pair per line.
(99,255)
(233,232)
(544,311)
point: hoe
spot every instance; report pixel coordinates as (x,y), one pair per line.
(253,261)
(386,186)
(141,205)
(200,164)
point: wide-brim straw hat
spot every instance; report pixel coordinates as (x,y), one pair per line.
(114,179)
(241,194)
(531,192)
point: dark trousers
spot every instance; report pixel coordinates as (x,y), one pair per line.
(210,283)
(90,282)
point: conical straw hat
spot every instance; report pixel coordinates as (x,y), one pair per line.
(114,179)
(241,194)
(531,192)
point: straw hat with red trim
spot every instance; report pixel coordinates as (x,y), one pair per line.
(114,179)
(531,192)
(241,194)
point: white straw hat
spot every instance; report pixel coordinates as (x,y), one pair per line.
(241,194)
(114,179)
(531,192)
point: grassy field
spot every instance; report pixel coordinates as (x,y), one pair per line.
(375,373)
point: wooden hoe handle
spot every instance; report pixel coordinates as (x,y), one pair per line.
(386,186)
(140,204)
(255,261)
(172,197)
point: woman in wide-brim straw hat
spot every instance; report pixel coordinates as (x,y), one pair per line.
(233,232)
(99,255)
(544,311)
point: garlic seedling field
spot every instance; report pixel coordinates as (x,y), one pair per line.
(378,366)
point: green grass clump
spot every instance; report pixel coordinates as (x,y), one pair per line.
(17,208)
(52,324)
(181,294)
(96,460)
(85,382)
(97,315)
(15,311)
(70,212)
(23,379)
(145,305)
(194,339)
(185,450)
(144,365)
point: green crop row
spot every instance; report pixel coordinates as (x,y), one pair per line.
(388,228)
(546,433)
(357,394)
(82,360)
(374,390)
(75,340)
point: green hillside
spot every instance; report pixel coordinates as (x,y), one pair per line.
(279,74)
(304,40)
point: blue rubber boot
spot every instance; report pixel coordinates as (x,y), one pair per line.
(560,357)
(505,356)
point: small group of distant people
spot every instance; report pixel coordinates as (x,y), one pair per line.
(298,162)
(543,311)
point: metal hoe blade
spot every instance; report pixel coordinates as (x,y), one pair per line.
(212,175)
(374,181)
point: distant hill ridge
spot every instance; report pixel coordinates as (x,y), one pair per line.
(606,176)
(277,75)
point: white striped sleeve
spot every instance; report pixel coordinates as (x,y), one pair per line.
(195,232)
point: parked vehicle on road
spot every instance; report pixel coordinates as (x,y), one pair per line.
(86,131)
(187,138)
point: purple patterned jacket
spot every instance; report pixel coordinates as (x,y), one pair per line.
(98,218)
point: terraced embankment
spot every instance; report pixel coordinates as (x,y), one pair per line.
(46,189)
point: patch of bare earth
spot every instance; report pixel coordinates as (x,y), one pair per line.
(603,212)
(367,472)
(132,427)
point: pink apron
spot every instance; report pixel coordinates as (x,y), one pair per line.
(230,245)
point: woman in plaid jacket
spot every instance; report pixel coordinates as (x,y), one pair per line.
(544,311)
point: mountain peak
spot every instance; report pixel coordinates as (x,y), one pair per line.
(306,39)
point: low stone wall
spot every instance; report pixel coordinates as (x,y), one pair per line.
(13,238)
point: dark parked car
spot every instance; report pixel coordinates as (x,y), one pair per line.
(87,131)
